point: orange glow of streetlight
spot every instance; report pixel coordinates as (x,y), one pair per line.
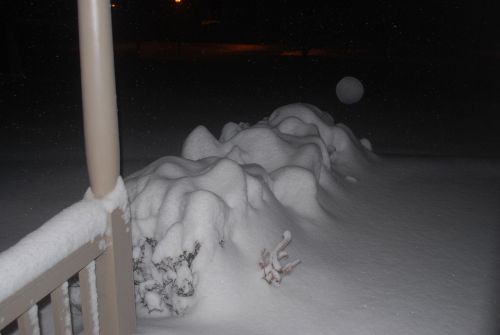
(177,1)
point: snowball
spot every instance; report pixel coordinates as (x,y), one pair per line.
(349,90)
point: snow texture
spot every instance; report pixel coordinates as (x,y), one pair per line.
(74,226)
(93,298)
(186,210)
(387,245)
(33,317)
(67,316)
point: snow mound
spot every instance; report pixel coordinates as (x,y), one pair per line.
(185,211)
(57,238)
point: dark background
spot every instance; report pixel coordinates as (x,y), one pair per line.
(430,71)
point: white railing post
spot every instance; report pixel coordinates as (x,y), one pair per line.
(114,276)
(99,95)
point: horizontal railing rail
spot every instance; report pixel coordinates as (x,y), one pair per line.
(107,303)
(50,282)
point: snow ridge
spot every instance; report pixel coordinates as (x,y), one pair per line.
(74,226)
(184,211)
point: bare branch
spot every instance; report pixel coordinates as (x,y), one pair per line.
(270,262)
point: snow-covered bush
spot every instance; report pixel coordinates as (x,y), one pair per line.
(185,211)
(162,286)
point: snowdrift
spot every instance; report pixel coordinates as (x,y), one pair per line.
(234,197)
(386,246)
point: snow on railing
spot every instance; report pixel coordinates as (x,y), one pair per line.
(82,239)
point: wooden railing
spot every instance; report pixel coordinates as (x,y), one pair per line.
(104,266)
(106,288)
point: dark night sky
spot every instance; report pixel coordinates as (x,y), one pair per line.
(382,23)
(435,61)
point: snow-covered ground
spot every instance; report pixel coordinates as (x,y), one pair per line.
(388,244)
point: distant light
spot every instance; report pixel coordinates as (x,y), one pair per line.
(208,22)
(114,5)
(177,1)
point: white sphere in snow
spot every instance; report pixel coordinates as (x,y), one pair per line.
(349,90)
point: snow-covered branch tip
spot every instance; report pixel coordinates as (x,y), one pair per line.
(270,263)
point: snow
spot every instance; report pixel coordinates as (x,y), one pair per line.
(388,245)
(205,200)
(67,316)
(33,317)
(271,261)
(117,198)
(74,226)
(93,297)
